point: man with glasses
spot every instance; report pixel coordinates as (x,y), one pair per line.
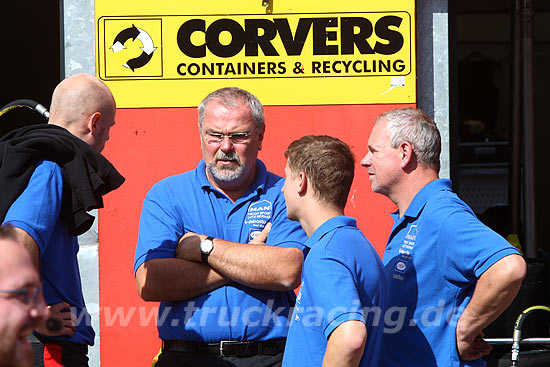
(22,307)
(202,248)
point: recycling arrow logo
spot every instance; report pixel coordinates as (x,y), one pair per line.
(139,34)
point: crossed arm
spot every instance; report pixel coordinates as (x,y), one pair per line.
(155,279)
(494,291)
(254,265)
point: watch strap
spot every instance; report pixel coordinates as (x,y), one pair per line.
(204,255)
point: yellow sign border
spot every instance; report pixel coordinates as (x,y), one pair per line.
(174,92)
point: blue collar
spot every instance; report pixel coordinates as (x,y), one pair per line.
(422,197)
(328,226)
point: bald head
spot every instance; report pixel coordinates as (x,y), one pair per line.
(85,106)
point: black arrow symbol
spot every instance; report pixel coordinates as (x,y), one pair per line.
(139,61)
(126,34)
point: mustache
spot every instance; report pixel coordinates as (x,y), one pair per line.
(221,156)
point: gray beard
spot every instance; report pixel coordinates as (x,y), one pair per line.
(226,174)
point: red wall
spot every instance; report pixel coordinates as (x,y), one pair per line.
(147,145)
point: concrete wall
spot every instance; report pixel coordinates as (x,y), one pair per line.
(432,60)
(79,57)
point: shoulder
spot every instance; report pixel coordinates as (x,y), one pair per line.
(346,247)
(447,207)
(272,187)
(47,173)
(180,183)
(343,242)
(457,224)
(272,180)
(47,167)
(349,241)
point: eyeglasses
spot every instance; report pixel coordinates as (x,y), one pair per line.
(235,138)
(28,295)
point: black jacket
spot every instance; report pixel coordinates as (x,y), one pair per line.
(87,175)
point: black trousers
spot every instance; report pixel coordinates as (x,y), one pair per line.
(181,359)
(50,353)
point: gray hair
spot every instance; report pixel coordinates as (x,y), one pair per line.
(232,97)
(416,127)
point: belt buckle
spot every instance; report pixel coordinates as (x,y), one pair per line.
(227,342)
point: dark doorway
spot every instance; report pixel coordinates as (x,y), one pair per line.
(486,136)
(31,57)
(484,93)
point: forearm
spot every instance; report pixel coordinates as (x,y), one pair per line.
(494,291)
(346,345)
(175,279)
(258,266)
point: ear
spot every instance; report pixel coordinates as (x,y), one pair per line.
(93,122)
(405,153)
(302,183)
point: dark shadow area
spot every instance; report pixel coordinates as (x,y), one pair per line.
(484,60)
(30,62)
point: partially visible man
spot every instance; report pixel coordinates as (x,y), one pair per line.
(343,291)
(450,274)
(225,295)
(53,174)
(22,305)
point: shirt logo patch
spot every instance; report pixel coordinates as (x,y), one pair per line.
(410,240)
(257,216)
(401,266)
(413,231)
(259,213)
(405,253)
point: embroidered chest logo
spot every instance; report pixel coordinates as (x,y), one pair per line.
(258,214)
(405,253)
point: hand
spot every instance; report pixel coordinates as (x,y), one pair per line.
(261,237)
(61,312)
(189,247)
(470,349)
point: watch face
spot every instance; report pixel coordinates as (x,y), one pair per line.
(206,246)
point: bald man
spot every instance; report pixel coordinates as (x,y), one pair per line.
(22,306)
(69,172)
(85,106)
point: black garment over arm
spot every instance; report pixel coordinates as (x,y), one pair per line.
(87,174)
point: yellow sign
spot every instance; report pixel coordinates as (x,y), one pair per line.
(289,58)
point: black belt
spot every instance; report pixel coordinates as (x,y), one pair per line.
(226,348)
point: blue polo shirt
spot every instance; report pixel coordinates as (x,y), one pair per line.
(436,252)
(36,211)
(342,280)
(189,203)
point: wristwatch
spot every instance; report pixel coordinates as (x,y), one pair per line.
(207,245)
